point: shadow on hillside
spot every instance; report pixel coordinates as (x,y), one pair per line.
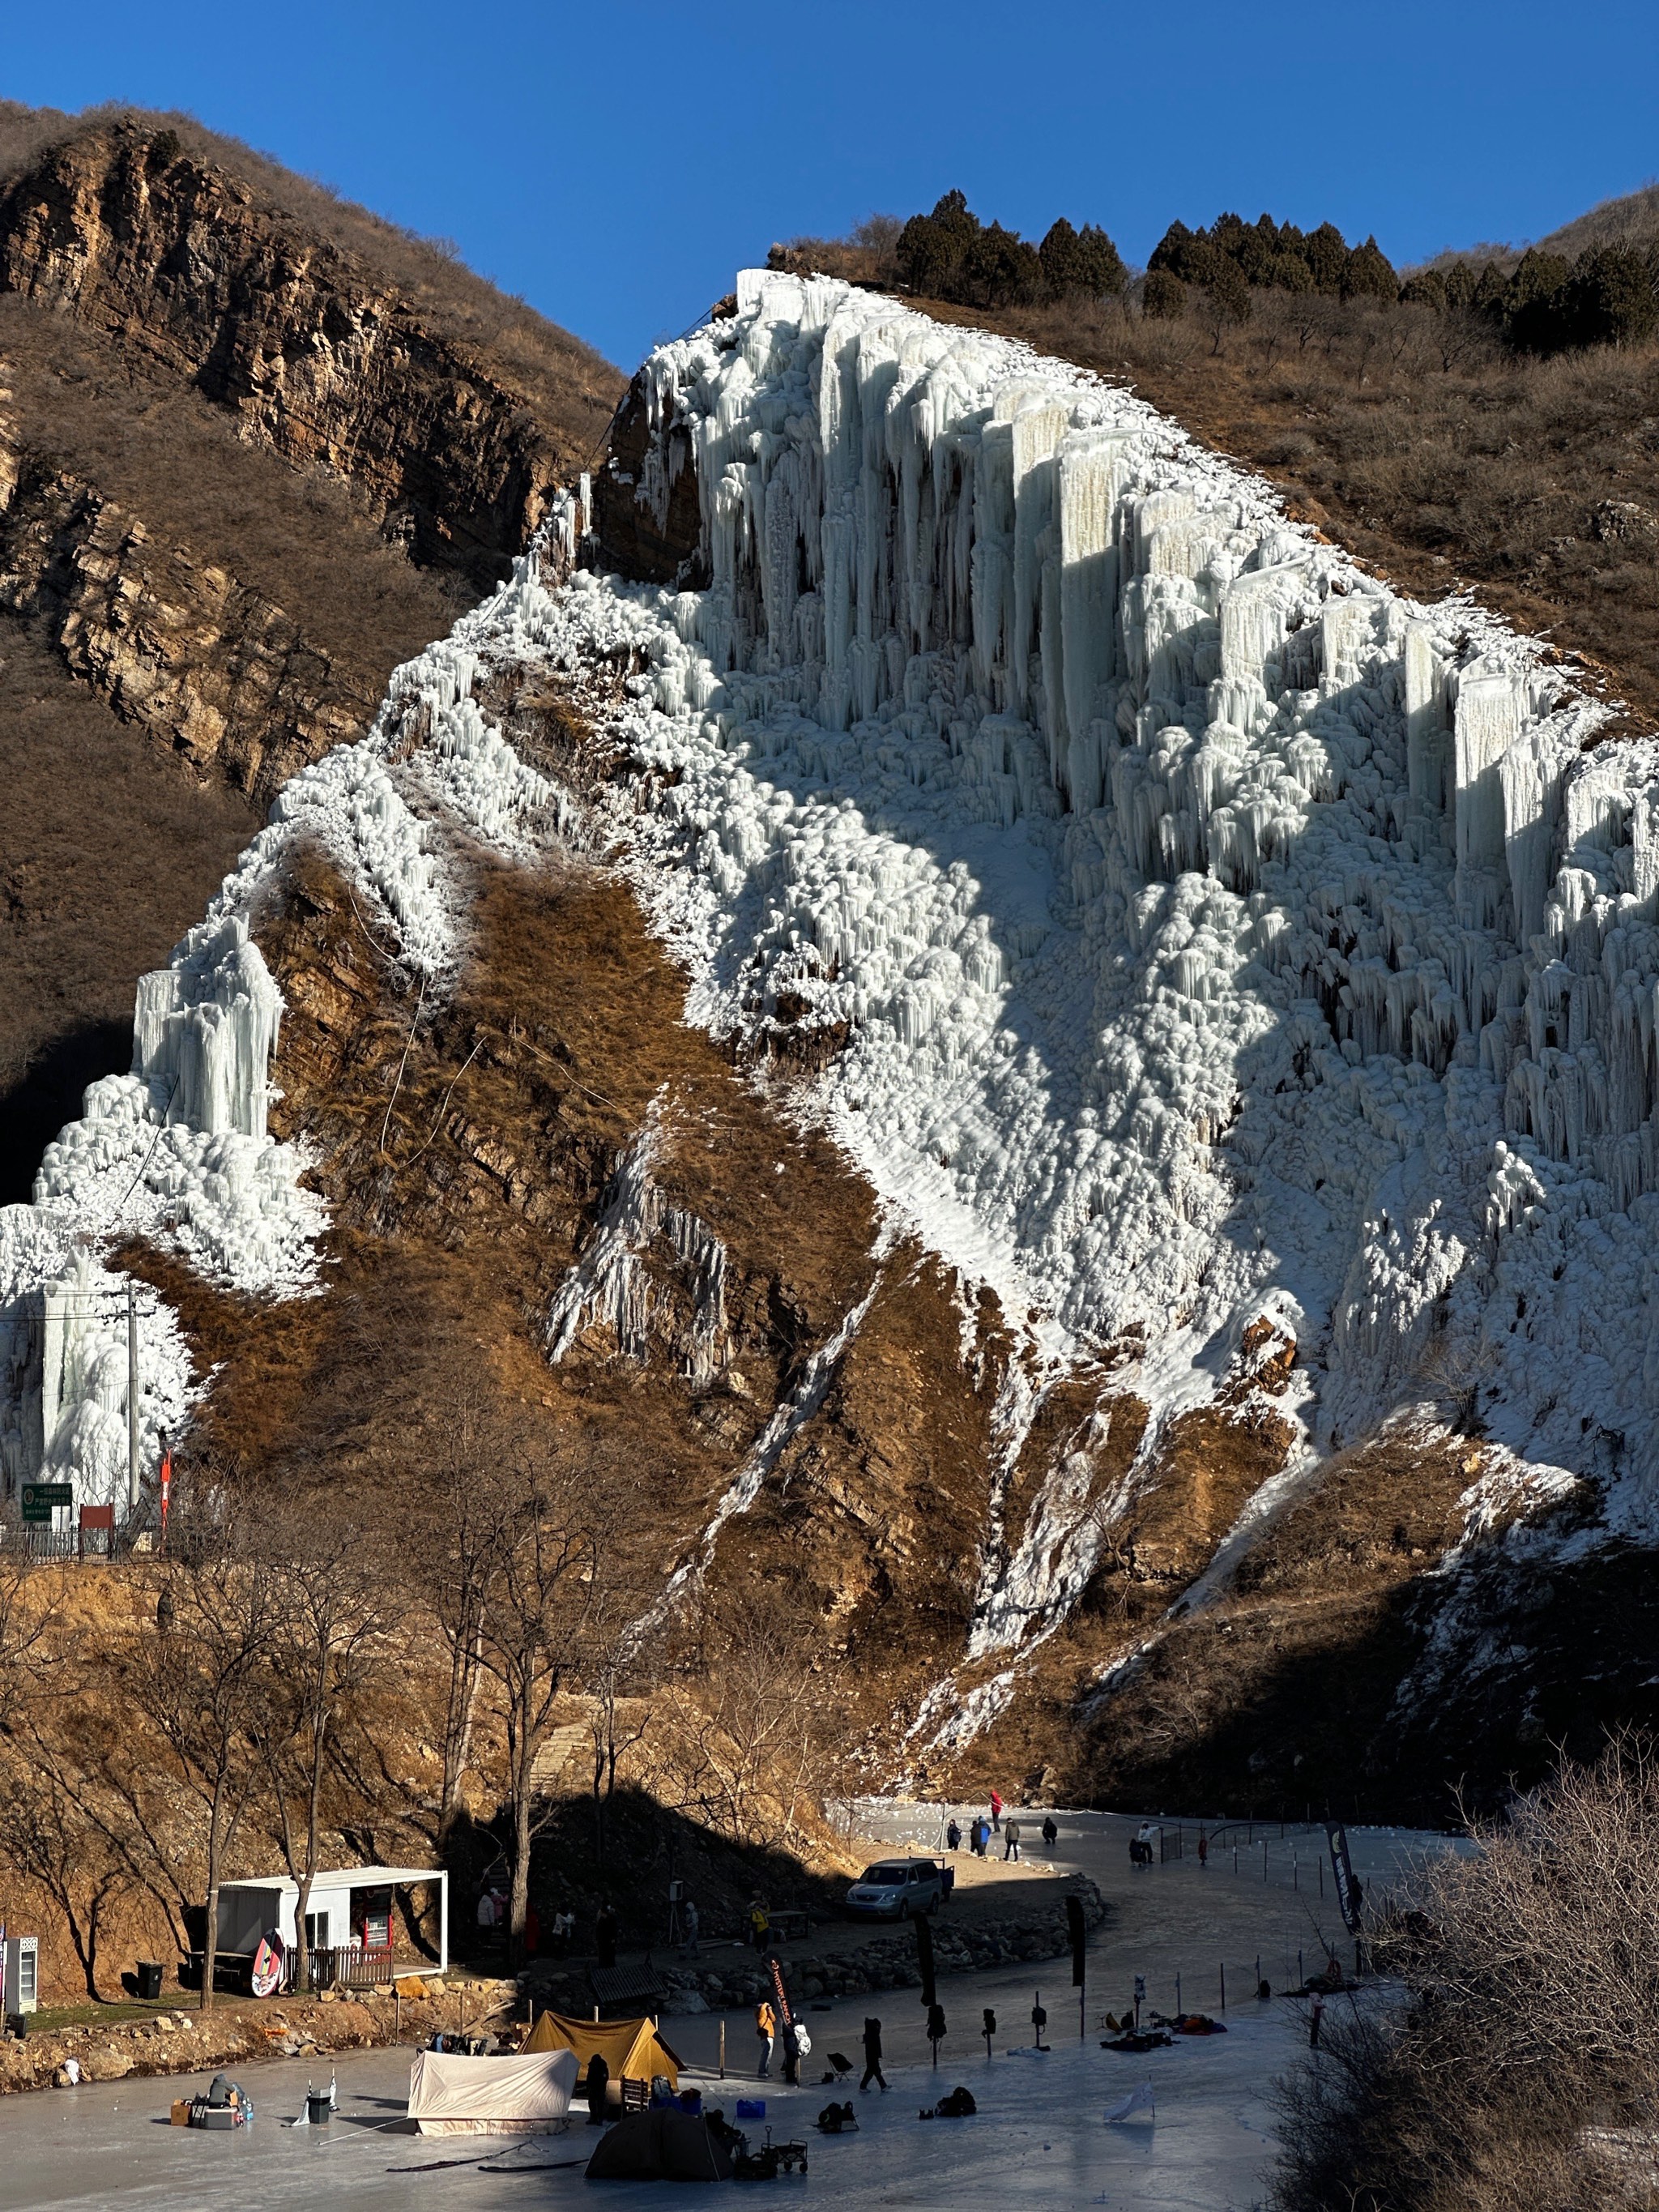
(625,1857)
(1390,1708)
(47,1094)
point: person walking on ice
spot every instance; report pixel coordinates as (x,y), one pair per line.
(1010,1841)
(996,1814)
(873,2055)
(766,2028)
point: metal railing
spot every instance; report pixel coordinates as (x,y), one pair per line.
(38,1540)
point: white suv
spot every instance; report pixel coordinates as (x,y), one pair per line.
(897,1889)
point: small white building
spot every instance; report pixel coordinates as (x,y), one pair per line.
(19,1974)
(350,1919)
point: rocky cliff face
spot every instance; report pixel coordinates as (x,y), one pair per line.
(154,301)
(207,665)
(318,355)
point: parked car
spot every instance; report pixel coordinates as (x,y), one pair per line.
(897,1889)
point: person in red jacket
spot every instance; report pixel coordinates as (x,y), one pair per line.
(996,1814)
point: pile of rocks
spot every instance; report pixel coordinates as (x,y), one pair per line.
(187,2041)
(960,1947)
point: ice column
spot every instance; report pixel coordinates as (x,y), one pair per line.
(83,1384)
(1490,706)
(204,1029)
(1530,776)
(1091,474)
(1425,717)
(1037,432)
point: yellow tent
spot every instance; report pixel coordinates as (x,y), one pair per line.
(632,2048)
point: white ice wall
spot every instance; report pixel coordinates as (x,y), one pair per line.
(205,1028)
(1221,934)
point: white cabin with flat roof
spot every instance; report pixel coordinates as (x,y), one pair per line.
(350,1920)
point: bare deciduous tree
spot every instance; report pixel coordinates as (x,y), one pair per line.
(511,1574)
(1524,2066)
(746,1744)
(458,1545)
(613,1657)
(28,1611)
(49,1832)
(543,1571)
(325,1604)
(200,1676)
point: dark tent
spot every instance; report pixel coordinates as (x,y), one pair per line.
(661,2145)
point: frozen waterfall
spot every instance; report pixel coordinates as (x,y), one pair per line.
(1219,935)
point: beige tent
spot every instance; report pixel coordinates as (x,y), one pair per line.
(632,2048)
(527,2093)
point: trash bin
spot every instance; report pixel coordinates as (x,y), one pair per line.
(149,1980)
(317,2108)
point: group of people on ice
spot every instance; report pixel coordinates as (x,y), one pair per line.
(981,1831)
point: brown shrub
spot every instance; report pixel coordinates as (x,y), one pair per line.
(1524,2066)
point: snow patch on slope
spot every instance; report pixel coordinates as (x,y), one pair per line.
(177,1152)
(609,1284)
(804,1400)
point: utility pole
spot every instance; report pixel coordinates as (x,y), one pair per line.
(132,1402)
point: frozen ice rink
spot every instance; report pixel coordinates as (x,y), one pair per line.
(1039,2137)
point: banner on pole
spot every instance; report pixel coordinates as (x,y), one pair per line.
(774,1968)
(1350,1894)
(1078,1931)
(924,1960)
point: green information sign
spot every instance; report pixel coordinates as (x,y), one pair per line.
(40,1499)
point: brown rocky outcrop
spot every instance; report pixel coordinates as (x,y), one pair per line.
(217,671)
(238,402)
(649,531)
(320,357)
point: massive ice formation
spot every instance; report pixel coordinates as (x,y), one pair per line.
(176,1152)
(1218,935)
(204,1030)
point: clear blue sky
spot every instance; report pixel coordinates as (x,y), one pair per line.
(614,163)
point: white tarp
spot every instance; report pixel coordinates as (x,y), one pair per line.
(1137,2106)
(526,2093)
